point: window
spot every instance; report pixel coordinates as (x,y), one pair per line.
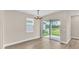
(29,25)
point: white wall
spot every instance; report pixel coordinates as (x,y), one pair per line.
(74,12)
(65,19)
(15,30)
(1,28)
(75,27)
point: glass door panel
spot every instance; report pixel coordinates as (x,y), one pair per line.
(45,28)
(55,30)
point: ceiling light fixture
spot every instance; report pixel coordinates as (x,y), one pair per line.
(38,17)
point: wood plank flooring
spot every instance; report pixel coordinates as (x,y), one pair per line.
(45,43)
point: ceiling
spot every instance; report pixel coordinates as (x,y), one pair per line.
(41,12)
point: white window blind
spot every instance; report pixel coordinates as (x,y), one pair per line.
(29,25)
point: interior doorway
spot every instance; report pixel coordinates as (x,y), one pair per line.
(51,29)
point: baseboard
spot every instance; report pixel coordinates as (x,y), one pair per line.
(63,42)
(75,37)
(6,45)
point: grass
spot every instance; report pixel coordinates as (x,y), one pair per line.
(45,33)
(55,32)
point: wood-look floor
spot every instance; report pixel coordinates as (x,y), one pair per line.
(45,44)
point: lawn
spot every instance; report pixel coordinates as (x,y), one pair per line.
(55,31)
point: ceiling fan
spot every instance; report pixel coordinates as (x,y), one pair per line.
(38,17)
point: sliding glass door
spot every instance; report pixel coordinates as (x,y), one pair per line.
(51,29)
